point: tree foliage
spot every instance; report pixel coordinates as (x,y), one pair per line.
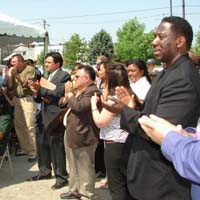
(132,42)
(197,43)
(100,44)
(40,58)
(75,50)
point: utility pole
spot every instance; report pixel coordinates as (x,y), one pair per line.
(46,43)
(44,24)
(183,9)
(171,8)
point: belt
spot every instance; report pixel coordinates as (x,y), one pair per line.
(23,96)
(109,142)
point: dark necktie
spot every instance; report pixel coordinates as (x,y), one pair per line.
(50,77)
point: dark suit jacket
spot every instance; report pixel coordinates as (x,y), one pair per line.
(175,96)
(51,109)
(81,129)
(56,125)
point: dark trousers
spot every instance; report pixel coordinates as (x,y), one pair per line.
(116,167)
(99,158)
(50,150)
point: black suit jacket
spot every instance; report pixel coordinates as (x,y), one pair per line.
(175,96)
(51,109)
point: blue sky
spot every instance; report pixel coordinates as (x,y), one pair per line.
(87,17)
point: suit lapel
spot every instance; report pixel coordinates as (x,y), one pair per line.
(55,76)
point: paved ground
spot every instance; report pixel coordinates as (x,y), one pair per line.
(16,188)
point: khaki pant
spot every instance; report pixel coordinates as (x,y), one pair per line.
(24,121)
(82,175)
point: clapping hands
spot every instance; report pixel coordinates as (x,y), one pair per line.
(157,128)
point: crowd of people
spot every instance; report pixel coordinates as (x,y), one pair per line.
(114,120)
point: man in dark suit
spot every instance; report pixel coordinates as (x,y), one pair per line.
(50,147)
(82,136)
(175,96)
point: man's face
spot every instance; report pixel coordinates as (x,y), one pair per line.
(165,44)
(50,65)
(81,78)
(17,63)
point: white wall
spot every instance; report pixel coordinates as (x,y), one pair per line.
(56,48)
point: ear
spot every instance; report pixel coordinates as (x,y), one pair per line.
(87,77)
(180,41)
(142,72)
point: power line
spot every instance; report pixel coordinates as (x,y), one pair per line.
(109,21)
(108,13)
(99,14)
(63,21)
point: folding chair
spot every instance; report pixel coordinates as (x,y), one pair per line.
(5,156)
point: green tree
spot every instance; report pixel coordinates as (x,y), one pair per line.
(132,42)
(75,50)
(197,43)
(100,44)
(40,58)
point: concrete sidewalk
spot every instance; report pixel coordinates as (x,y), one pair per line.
(16,188)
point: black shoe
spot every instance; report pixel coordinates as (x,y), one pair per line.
(39,177)
(58,185)
(70,195)
(32,158)
(20,153)
(100,174)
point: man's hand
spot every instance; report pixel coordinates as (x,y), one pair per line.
(157,128)
(34,86)
(12,72)
(63,101)
(3,91)
(68,87)
(1,135)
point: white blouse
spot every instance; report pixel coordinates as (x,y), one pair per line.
(141,88)
(113,131)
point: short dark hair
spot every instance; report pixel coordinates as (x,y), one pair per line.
(151,61)
(30,62)
(19,57)
(88,70)
(57,57)
(182,27)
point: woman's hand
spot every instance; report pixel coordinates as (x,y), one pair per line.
(94,100)
(125,97)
